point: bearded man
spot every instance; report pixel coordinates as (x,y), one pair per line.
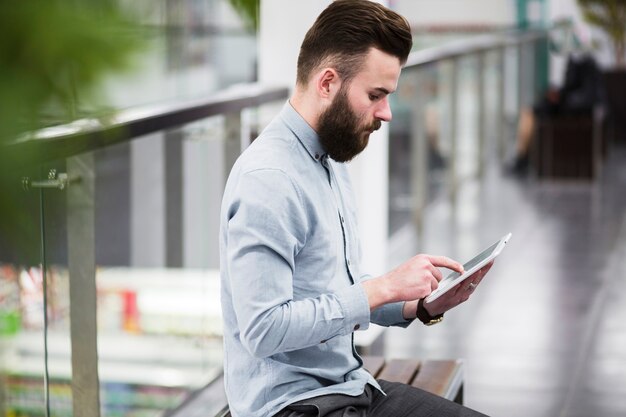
(293,293)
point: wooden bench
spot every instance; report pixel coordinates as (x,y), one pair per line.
(441,377)
(569,146)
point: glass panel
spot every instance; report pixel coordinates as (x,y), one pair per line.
(401,203)
(436,129)
(421,112)
(159,316)
(467,126)
(26,343)
(511,99)
(492,74)
(22,341)
(157,202)
(444,97)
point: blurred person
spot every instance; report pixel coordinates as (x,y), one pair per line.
(292,290)
(580,92)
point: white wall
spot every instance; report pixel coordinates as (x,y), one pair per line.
(435,12)
(283,25)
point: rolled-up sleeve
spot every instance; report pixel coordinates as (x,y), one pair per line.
(265,232)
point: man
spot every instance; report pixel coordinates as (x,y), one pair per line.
(292,291)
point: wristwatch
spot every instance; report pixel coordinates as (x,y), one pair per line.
(426,318)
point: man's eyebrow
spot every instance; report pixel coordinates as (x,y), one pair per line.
(382,90)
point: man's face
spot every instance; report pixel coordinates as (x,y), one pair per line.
(359,107)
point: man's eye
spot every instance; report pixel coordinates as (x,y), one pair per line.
(374,97)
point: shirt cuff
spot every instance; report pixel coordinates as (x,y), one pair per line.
(391,315)
(355,307)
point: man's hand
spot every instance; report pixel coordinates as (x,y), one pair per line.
(459,294)
(414,279)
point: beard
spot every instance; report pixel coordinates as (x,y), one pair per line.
(342,133)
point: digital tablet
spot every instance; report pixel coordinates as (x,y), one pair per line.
(470,268)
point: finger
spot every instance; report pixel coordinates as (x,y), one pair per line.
(434,284)
(467,287)
(461,299)
(435,272)
(480,275)
(445,262)
(459,288)
(486,268)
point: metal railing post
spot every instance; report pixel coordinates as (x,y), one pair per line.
(419,151)
(453,122)
(520,76)
(233,142)
(480,79)
(82,270)
(500,113)
(174,182)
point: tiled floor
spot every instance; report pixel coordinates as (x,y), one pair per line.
(545,334)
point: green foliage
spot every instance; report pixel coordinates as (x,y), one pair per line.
(52,53)
(248,11)
(610,16)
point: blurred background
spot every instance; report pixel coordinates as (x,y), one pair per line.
(120,120)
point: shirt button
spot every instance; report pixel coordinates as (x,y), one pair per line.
(324,341)
(357,327)
(342,219)
(348,262)
(317,156)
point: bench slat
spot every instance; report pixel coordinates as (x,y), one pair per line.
(400,370)
(224,413)
(438,376)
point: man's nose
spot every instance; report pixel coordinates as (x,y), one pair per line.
(383,112)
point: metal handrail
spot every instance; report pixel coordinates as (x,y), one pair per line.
(87,135)
(477,44)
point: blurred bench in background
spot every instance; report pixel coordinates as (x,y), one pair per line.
(569,145)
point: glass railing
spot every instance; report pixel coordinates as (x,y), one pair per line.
(127,213)
(456,111)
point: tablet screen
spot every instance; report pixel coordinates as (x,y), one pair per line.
(479,258)
(470,264)
(469,267)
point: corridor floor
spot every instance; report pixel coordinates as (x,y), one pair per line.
(545,333)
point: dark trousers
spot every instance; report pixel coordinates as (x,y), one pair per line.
(401,401)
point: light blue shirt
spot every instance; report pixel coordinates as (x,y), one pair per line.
(291,292)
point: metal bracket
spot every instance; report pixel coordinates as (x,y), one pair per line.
(59,181)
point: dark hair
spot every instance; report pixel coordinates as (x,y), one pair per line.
(345,31)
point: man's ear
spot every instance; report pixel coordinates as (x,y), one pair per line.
(327,83)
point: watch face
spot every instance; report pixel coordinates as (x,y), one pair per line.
(435,321)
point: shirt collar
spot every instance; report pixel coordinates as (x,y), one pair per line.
(303,131)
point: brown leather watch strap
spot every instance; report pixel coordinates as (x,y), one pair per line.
(426,318)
